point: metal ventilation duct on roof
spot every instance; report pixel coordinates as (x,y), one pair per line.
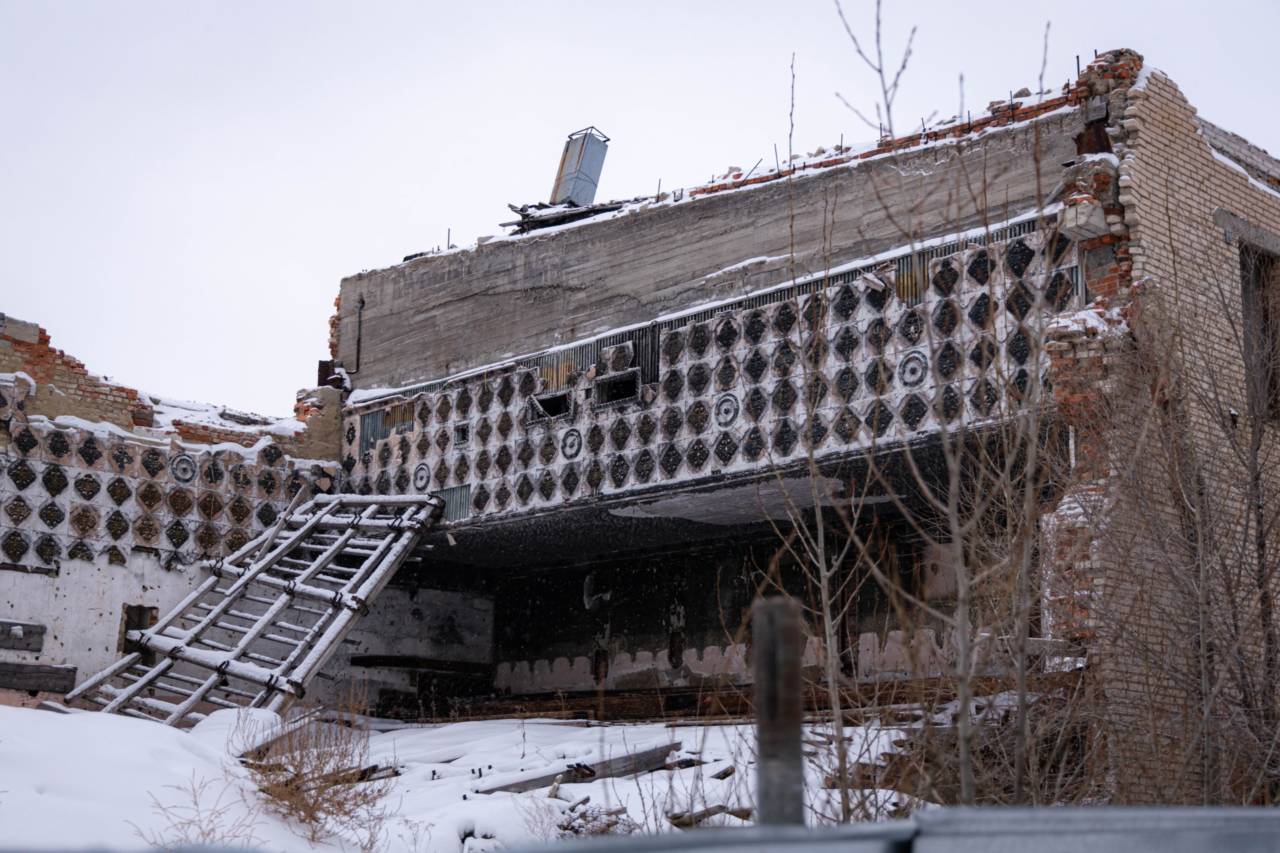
(580,167)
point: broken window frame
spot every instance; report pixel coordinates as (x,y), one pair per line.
(539,412)
(1260,305)
(462,435)
(602,382)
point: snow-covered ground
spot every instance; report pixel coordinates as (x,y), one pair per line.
(88,779)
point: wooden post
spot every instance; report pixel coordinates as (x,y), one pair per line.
(778,640)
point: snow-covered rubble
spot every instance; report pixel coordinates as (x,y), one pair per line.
(168,411)
(85,779)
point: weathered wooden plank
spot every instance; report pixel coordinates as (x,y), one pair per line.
(688,820)
(643,761)
(36,676)
(778,634)
(29,570)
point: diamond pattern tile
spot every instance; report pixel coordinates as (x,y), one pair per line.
(726,334)
(619,468)
(52,515)
(784,318)
(669,460)
(784,358)
(58,443)
(54,480)
(756,365)
(672,345)
(698,416)
(569,480)
(87,486)
(524,488)
(979,267)
(548,449)
(644,467)
(14,545)
(846,302)
(620,433)
(726,447)
(672,385)
(699,339)
(784,437)
(726,374)
(913,411)
(946,316)
(879,418)
(945,276)
(85,520)
(783,397)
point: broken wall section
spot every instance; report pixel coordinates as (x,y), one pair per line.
(105,504)
(1194,198)
(1151,556)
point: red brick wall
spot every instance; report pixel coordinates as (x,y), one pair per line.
(25,347)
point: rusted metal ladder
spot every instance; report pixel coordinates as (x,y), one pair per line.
(255,632)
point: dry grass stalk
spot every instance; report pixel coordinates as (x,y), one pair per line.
(200,818)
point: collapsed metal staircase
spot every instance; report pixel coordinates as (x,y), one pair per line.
(258,629)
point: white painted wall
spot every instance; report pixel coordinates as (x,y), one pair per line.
(83,607)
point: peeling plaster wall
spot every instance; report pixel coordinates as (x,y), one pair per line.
(82,608)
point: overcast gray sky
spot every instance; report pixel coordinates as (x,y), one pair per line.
(183,185)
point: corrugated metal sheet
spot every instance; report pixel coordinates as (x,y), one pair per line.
(372,429)
(457,502)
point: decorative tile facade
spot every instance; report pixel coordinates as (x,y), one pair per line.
(97,494)
(865,358)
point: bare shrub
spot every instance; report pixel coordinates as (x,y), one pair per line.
(318,775)
(201,818)
(414,835)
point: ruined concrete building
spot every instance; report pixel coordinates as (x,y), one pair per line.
(625,406)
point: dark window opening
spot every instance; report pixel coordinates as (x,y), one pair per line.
(1094,139)
(461,435)
(138,617)
(550,406)
(1258,274)
(610,390)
